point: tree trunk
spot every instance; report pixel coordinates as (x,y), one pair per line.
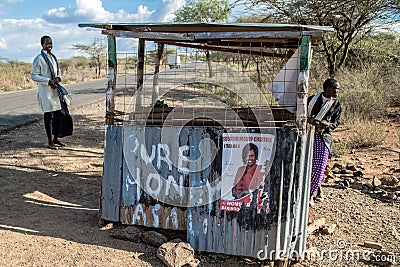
(209,63)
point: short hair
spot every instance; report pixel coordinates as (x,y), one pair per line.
(329,83)
(247,148)
(44,37)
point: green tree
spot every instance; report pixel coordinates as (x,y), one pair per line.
(206,11)
(349,19)
(96,50)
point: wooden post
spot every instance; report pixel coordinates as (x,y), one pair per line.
(302,85)
(112,78)
(140,72)
(156,88)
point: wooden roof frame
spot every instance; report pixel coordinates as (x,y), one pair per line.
(270,40)
(248,38)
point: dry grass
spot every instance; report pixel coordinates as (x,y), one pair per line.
(15,76)
(366,133)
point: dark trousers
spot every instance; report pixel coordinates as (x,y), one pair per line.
(51,123)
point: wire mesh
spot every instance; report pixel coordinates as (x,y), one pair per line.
(189,86)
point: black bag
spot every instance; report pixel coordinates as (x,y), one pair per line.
(65,125)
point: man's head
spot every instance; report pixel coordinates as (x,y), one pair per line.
(331,88)
(46,43)
(250,154)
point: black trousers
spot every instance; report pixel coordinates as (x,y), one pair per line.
(51,123)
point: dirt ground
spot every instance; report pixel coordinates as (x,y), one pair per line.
(49,203)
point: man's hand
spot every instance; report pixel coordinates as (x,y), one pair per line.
(313,121)
(52,84)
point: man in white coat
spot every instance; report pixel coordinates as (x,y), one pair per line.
(48,98)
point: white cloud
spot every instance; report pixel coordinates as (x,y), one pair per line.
(93,11)
(166,12)
(20,38)
(3,44)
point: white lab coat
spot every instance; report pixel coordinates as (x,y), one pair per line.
(47,97)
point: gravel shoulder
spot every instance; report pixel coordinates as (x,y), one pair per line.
(49,204)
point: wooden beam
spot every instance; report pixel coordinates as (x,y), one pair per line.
(159,36)
(276,37)
(112,78)
(232,50)
(140,71)
(155,94)
(302,87)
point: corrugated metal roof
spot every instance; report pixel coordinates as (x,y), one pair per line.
(180,27)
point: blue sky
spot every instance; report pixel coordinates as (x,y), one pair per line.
(23,22)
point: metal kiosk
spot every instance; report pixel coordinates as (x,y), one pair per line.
(175,149)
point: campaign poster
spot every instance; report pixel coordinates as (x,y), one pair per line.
(244,158)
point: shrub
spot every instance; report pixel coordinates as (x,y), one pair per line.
(366,133)
(340,148)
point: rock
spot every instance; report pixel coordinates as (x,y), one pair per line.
(369,186)
(129,233)
(337,165)
(177,254)
(374,245)
(337,180)
(346,183)
(153,238)
(389,180)
(391,196)
(330,175)
(329,229)
(336,170)
(351,167)
(340,185)
(344,171)
(358,174)
(357,185)
(193,263)
(383,187)
(315,225)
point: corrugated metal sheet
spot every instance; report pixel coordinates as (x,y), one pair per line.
(112,174)
(151,154)
(273,235)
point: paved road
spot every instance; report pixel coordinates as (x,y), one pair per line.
(20,108)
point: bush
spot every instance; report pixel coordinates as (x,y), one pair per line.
(367,93)
(339,148)
(366,133)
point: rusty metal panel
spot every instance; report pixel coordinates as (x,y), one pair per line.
(155,191)
(152,151)
(265,235)
(111,186)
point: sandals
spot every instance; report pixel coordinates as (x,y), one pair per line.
(59,143)
(52,147)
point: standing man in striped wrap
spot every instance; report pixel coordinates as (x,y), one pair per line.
(324,114)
